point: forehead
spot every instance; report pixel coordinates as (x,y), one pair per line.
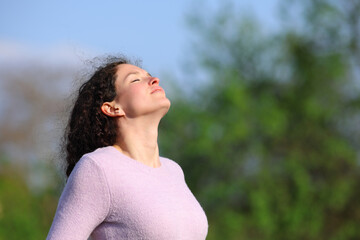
(124,70)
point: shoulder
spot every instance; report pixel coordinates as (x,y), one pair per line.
(102,157)
(170,162)
(87,167)
(93,162)
(100,154)
(89,174)
(172,166)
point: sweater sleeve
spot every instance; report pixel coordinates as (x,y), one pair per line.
(84,203)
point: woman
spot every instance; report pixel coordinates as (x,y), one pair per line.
(118,187)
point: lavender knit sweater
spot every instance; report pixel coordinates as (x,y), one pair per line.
(111,196)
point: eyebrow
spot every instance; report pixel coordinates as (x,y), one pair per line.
(136,72)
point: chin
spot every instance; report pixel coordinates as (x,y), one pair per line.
(164,106)
(168,103)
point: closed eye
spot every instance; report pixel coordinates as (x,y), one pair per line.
(135,80)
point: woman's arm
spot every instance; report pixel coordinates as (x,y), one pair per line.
(84,203)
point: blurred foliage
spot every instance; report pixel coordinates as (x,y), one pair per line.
(24,213)
(270,144)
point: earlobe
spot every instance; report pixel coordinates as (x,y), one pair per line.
(110,110)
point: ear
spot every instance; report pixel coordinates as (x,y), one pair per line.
(111,110)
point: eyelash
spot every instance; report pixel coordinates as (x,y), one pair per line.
(135,80)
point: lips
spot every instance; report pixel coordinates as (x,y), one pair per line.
(158,88)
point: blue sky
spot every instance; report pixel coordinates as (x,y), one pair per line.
(154,31)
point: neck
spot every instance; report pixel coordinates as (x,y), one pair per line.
(138,140)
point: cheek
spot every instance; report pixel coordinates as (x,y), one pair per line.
(132,97)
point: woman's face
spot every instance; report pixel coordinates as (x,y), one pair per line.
(138,93)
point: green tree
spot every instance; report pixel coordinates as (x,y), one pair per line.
(269,145)
(24,214)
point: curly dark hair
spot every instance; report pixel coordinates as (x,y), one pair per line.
(88,127)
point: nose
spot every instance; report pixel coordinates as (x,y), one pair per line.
(154,81)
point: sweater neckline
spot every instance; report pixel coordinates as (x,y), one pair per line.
(136,163)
